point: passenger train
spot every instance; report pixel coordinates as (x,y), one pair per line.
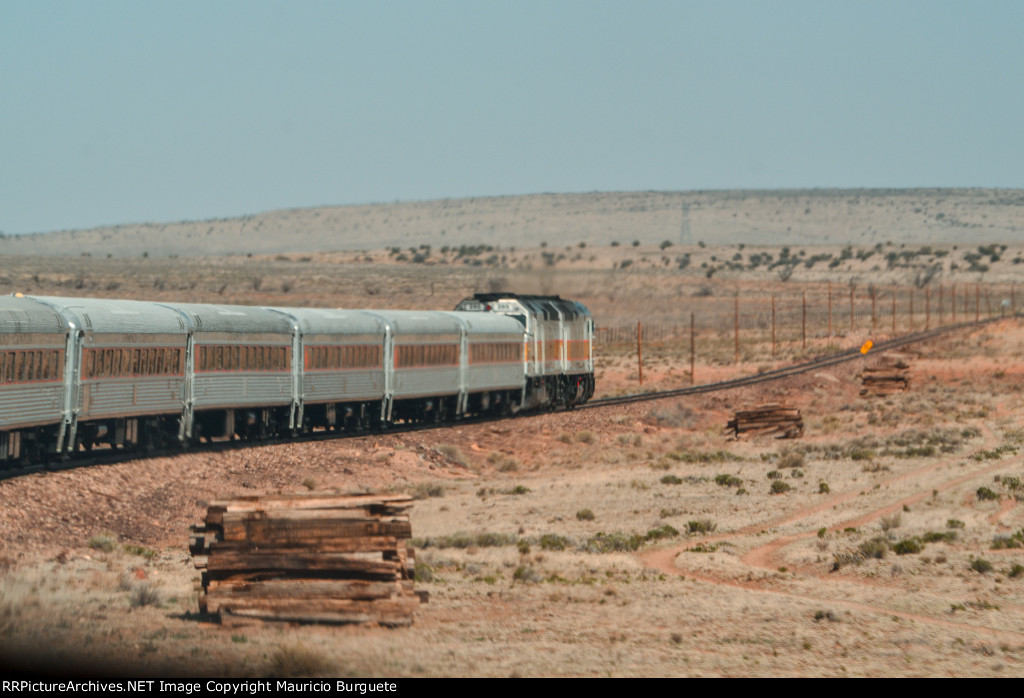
(79,373)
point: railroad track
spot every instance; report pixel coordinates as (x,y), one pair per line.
(792,370)
(108,457)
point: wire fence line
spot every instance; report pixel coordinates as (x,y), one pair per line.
(788,318)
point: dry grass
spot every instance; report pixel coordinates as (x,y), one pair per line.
(523,580)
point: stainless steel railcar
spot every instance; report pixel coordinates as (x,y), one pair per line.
(34,366)
(342,379)
(127,371)
(75,373)
(241,372)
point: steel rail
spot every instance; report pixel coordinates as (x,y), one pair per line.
(786,371)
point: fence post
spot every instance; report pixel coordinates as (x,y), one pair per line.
(894,312)
(692,377)
(736,327)
(830,310)
(953,292)
(803,321)
(927,308)
(911,308)
(874,316)
(851,307)
(639,352)
(773,327)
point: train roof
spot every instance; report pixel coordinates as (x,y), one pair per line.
(233,318)
(419,321)
(488,323)
(325,321)
(22,314)
(112,315)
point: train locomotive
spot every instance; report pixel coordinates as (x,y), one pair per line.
(77,373)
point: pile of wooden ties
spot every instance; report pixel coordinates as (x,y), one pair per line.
(774,419)
(318,558)
(887,374)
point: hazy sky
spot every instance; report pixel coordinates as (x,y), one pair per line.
(118,112)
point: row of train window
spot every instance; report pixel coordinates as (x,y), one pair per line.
(418,355)
(137,361)
(352,356)
(23,366)
(497,352)
(233,357)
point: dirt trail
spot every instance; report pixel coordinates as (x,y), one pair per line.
(768,556)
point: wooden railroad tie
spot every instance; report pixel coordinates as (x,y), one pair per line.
(775,420)
(317,558)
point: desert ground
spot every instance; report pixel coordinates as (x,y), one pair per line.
(619,541)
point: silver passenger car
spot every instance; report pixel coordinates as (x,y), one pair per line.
(423,361)
(130,361)
(34,365)
(342,379)
(492,361)
(243,370)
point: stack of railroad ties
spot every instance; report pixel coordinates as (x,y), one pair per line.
(315,558)
(773,419)
(888,374)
